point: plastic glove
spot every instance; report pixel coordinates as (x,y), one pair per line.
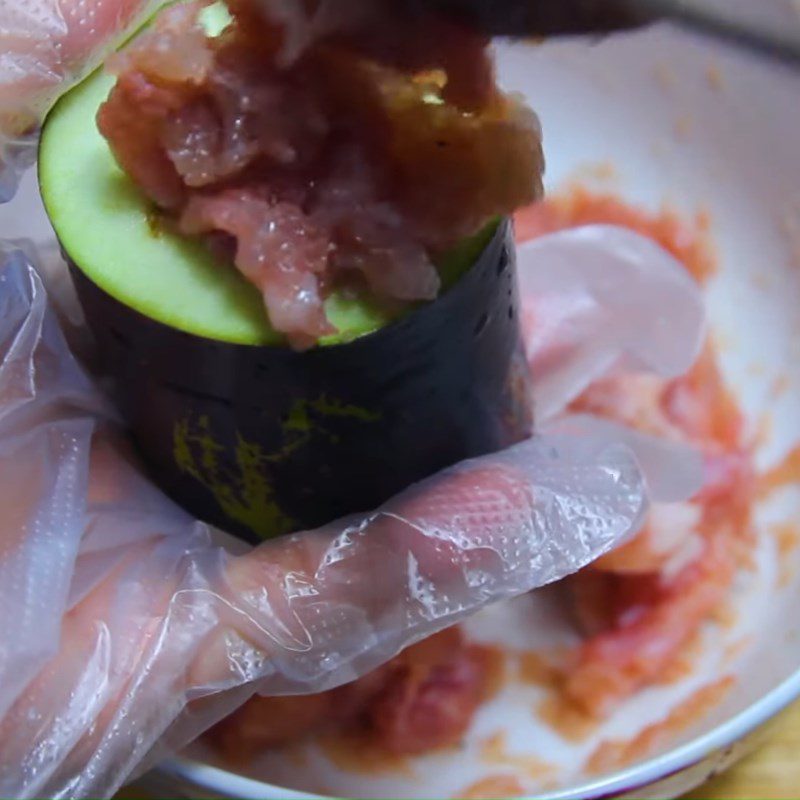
(45,47)
(609,300)
(123,625)
(118,612)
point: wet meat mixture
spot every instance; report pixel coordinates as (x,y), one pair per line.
(321,145)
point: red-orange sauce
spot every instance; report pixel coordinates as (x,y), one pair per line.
(787,540)
(737,648)
(358,752)
(643,627)
(535,669)
(614,754)
(566,718)
(683,664)
(493,787)
(494,664)
(786,473)
(495,751)
(725,615)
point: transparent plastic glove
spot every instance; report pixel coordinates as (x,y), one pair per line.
(117,611)
(45,47)
(598,298)
(673,471)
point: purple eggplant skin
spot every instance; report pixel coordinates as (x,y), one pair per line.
(538,18)
(262,440)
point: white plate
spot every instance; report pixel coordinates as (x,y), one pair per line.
(703,128)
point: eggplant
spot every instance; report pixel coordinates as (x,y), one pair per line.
(241,430)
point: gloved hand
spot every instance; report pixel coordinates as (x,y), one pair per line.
(46,46)
(125,630)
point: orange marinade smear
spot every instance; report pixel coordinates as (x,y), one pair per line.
(686,240)
(785,473)
(495,751)
(642,622)
(493,787)
(615,754)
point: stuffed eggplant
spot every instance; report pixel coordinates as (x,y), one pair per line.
(297,322)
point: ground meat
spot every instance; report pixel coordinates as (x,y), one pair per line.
(639,606)
(337,143)
(425,707)
(288,276)
(265,723)
(648,619)
(135,114)
(423,699)
(643,603)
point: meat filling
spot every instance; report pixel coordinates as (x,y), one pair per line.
(321,145)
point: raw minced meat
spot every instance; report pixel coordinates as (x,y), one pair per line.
(423,699)
(330,144)
(641,605)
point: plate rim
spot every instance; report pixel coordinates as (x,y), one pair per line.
(638,776)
